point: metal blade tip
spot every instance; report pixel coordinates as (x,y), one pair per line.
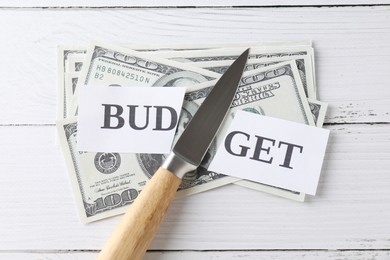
(201,130)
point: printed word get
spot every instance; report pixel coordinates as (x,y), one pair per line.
(263,144)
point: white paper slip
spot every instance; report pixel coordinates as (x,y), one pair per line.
(131,119)
(272,151)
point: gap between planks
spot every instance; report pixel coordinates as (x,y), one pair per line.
(63,251)
(76,7)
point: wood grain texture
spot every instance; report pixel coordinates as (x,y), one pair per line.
(175,3)
(348,219)
(351,210)
(230,255)
(134,233)
(352,54)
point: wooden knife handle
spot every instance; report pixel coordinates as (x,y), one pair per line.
(133,235)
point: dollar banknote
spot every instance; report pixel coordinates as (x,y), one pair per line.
(71,58)
(103,183)
(304,66)
(318,110)
(76,62)
(258,52)
(262,91)
(106,183)
(233,53)
(63,54)
(71,79)
(107,65)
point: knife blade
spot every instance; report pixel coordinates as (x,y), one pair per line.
(134,233)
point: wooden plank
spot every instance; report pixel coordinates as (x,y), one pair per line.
(352,53)
(175,3)
(230,255)
(351,210)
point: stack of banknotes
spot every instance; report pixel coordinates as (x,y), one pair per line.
(279,81)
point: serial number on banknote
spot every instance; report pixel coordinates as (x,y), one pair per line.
(119,73)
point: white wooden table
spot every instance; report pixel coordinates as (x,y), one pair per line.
(350,217)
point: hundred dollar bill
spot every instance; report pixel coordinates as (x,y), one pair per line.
(318,110)
(290,194)
(204,46)
(77,53)
(274,91)
(63,98)
(107,65)
(220,63)
(304,66)
(76,62)
(63,55)
(103,183)
(106,183)
(73,57)
(199,46)
(261,91)
(71,79)
(273,97)
(233,53)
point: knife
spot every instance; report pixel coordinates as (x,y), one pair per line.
(134,233)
